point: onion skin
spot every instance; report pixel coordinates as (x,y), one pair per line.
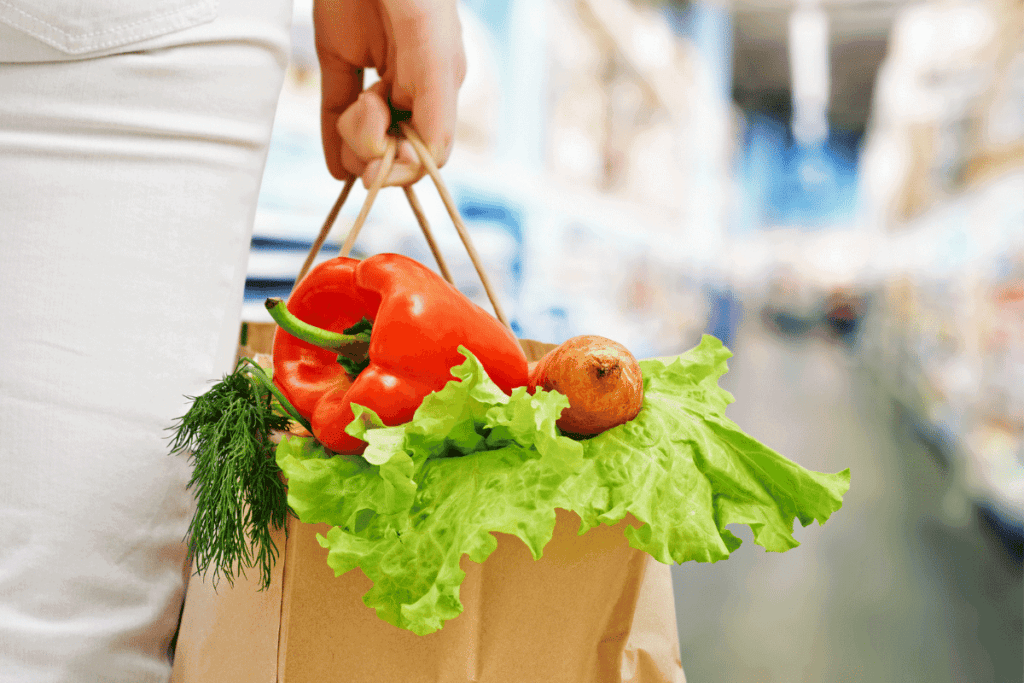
(599,376)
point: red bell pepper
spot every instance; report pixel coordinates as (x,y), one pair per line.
(419,321)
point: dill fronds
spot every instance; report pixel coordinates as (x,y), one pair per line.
(235,478)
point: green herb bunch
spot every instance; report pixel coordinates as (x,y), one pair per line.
(239,493)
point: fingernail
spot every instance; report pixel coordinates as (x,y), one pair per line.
(407,153)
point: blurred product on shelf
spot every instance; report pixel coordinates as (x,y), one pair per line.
(640,119)
(842,314)
(791,307)
(947,111)
(946,340)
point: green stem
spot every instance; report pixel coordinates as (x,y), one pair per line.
(261,376)
(353,346)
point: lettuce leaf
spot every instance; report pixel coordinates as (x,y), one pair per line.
(474,460)
(687,471)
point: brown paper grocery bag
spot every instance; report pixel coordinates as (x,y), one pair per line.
(590,610)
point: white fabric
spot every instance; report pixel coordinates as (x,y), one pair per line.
(128,186)
(78,27)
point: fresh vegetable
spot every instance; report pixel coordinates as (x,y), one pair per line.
(473,460)
(418,322)
(239,494)
(599,376)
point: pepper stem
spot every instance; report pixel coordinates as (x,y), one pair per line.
(352,346)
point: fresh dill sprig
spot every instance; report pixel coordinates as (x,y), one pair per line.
(235,479)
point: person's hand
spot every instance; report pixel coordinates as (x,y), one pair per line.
(416,47)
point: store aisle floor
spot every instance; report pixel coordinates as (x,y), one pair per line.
(888,591)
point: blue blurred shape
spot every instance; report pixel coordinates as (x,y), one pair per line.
(724,315)
(495,211)
(787,184)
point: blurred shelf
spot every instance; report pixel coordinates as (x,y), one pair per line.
(947,342)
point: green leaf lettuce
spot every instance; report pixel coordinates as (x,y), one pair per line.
(474,460)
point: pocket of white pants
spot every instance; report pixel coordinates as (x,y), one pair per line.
(79,27)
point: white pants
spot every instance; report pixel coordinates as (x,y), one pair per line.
(132,145)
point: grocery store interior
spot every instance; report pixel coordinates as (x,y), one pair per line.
(833,188)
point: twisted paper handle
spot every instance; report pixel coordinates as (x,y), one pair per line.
(417,209)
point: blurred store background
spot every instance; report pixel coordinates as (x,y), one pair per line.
(834,188)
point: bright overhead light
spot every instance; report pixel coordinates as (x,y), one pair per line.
(809,68)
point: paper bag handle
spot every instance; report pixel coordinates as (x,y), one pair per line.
(417,209)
